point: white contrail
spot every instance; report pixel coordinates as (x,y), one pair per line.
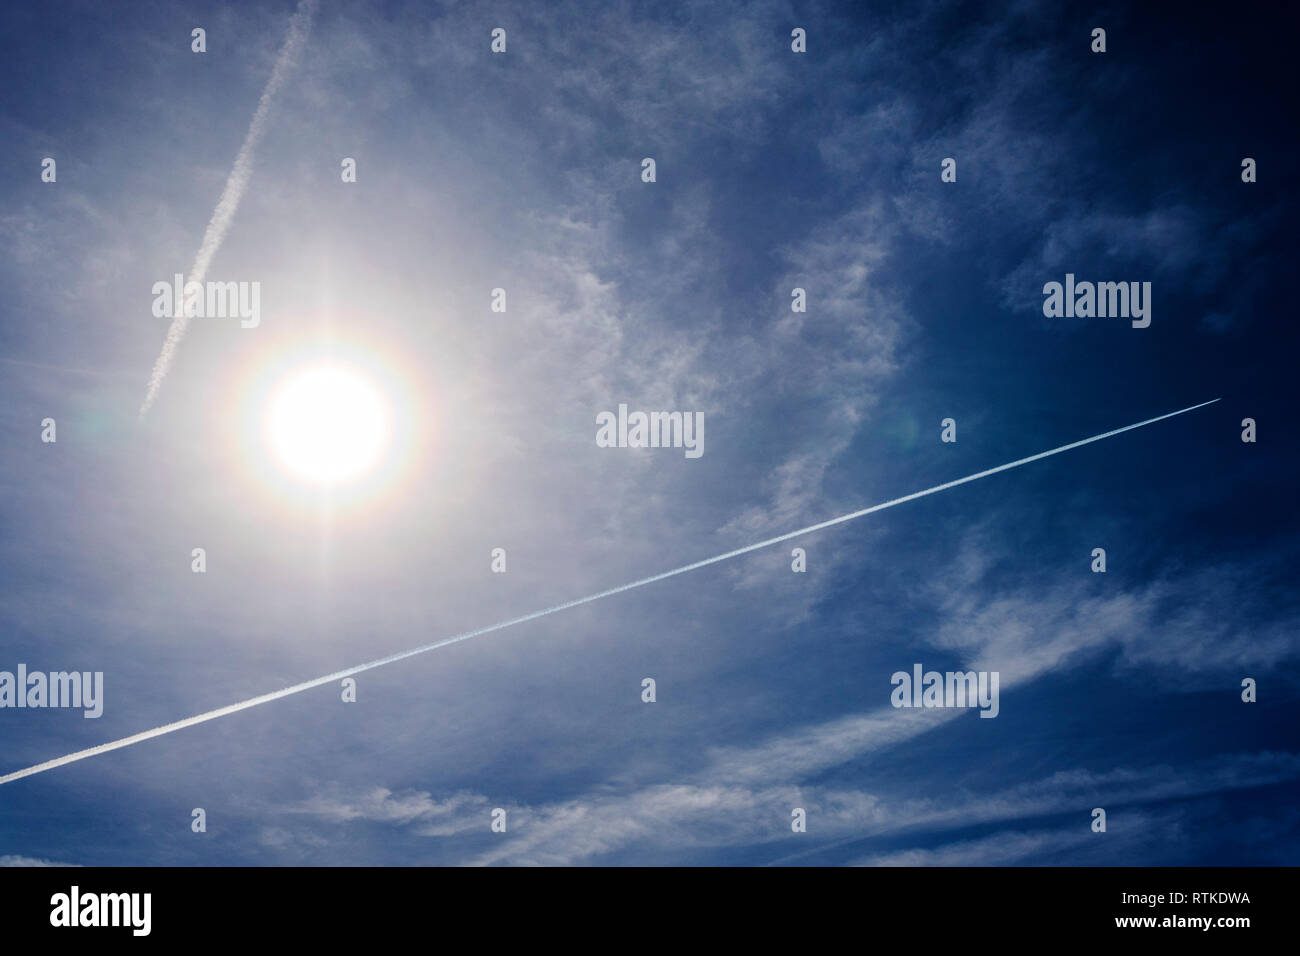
(392,658)
(236,183)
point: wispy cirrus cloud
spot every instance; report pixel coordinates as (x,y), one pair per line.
(12,860)
(742,796)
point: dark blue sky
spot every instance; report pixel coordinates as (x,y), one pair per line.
(774,170)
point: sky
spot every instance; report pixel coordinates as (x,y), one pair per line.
(774,170)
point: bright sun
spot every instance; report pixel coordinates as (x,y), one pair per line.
(328,425)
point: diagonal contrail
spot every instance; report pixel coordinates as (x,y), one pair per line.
(236,183)
(392,658)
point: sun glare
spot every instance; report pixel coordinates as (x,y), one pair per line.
(328,425)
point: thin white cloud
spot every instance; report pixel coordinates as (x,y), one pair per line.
(11,860)
(688,816)
(546,612)
(1013,847)
(236,183)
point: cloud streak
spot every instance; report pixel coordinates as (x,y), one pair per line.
(236,184)
(403,655)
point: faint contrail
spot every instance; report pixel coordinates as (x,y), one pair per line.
(236,183)
(392,658)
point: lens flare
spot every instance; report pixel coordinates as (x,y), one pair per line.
(328,425)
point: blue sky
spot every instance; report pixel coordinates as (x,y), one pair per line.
(774,170)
